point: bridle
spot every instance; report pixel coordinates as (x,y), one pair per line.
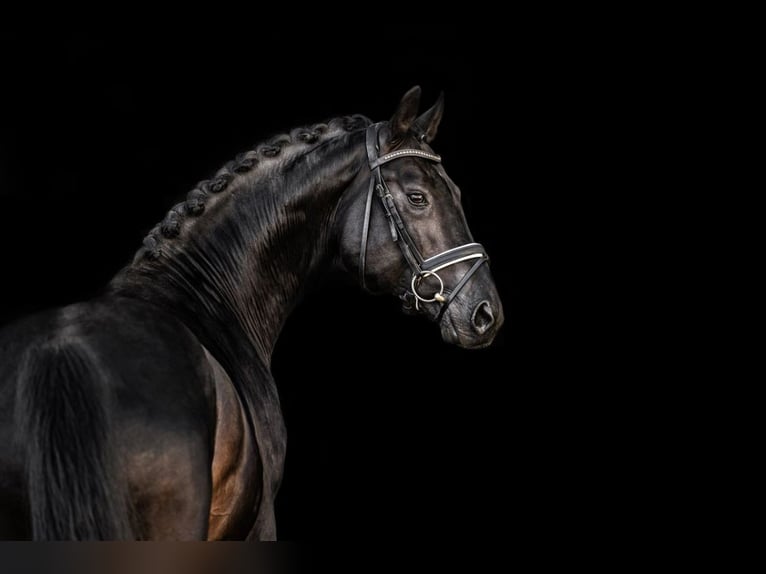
(421,268)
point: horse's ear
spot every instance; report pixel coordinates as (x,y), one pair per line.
(405,114)
(428,123)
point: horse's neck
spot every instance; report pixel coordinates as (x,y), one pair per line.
(234,274)
(238,274)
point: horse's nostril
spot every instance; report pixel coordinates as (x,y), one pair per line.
(482,317)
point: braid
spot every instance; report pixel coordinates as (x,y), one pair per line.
(196,200)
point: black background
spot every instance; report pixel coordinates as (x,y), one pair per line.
(390,430)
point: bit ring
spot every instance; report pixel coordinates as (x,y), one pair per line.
(436,296)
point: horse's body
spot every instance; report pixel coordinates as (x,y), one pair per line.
(130,385)
(151,412)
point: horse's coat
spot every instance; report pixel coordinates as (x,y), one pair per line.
(150,412)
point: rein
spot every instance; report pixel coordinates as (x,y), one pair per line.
(420,266)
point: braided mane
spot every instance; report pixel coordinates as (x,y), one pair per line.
(267,157)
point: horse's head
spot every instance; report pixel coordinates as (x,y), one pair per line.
(403,230)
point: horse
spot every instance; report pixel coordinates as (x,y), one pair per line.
(150,412)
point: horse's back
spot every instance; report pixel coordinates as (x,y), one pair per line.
(122,378)
(146,357)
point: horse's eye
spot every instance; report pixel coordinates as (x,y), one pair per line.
(417,198)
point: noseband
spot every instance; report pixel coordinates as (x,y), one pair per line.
(421,268)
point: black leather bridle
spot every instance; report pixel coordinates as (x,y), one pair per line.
(421,268)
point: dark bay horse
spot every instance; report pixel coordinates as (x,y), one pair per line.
(150,411)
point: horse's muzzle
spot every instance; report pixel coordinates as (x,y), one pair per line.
(472,326)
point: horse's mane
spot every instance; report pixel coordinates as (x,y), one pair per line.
(264,159)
